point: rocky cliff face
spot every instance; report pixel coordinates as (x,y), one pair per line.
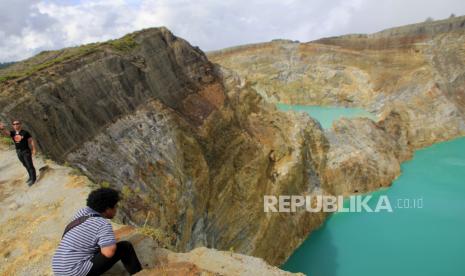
(192,148)
(200,261)
(33,219)
(414,73)
(195,146)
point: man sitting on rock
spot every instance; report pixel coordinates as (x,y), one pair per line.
(25,148)
(88,245)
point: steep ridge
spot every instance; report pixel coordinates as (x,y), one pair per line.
(192,148)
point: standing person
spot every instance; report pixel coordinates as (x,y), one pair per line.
(25,148)
(88,246)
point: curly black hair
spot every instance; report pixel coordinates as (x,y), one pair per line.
(102,199)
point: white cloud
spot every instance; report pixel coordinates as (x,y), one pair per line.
(29,26)
(338,16)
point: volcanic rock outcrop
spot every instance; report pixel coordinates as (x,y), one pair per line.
(192,148)
(33,219)
(413,76)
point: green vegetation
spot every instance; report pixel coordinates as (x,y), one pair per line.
(6,141)
(75,171)
(105,184)
(11,76)
(48,59)
(157,234)
(124,44)
(5,64)
(126,192)
(55,58)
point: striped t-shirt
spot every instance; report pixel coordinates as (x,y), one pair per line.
(78,246)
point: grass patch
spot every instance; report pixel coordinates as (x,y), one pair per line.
(7,141)
(67,54)
(105,184)
(156,234)
(10,76)
(127,192)
(41,61)
(124,44)
(6,64)
(75,171)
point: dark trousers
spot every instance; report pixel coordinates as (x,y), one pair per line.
(124,252)
(25,156)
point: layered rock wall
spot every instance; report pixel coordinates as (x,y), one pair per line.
(192,149)
(416,71)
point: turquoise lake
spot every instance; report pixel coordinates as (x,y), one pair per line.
(408,241)
(326,115)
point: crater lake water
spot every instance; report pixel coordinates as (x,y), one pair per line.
(326,115)
(408,241)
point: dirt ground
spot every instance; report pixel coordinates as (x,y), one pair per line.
(33,218)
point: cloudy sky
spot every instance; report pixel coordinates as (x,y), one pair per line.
(30,26)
